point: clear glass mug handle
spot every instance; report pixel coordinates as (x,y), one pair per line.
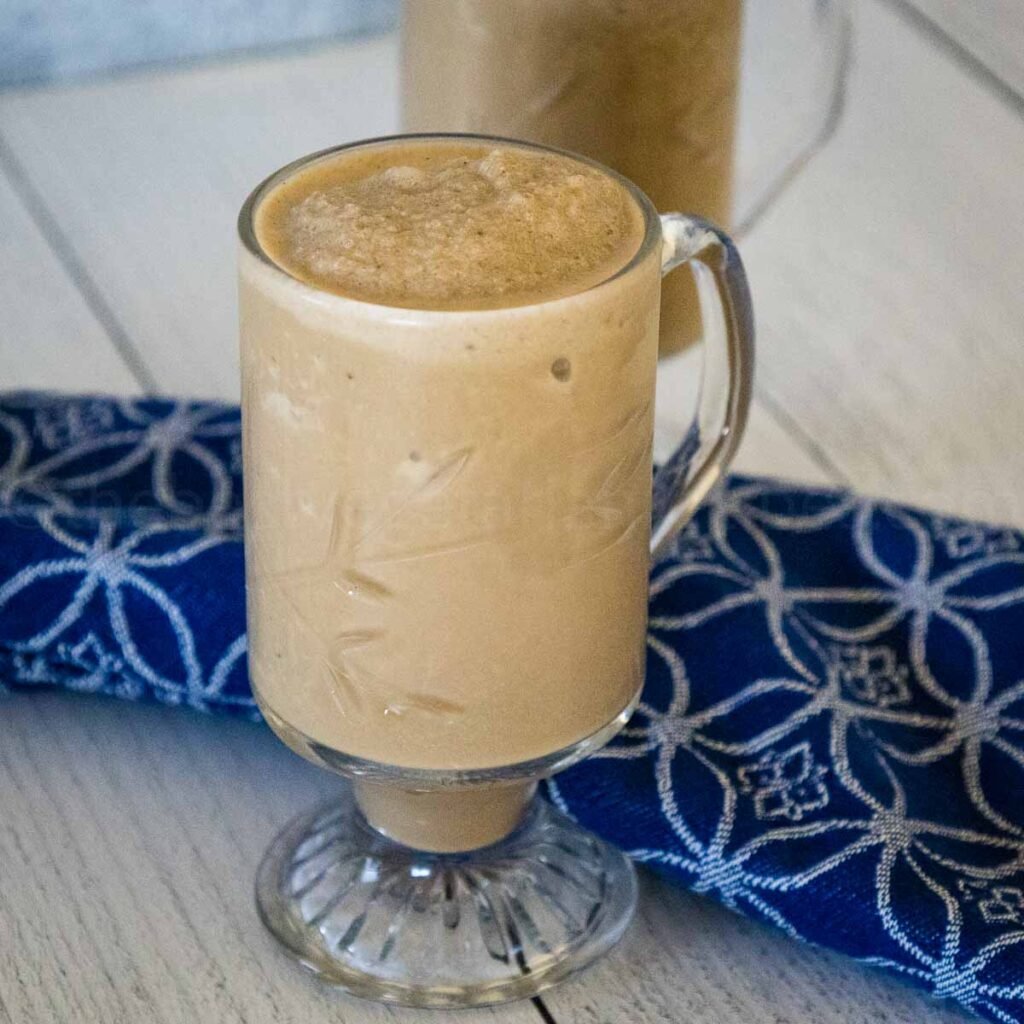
(728,377)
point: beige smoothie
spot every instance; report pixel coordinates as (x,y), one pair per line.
(447,399)
(648,87)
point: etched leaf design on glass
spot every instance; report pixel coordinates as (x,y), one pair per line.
(339,600)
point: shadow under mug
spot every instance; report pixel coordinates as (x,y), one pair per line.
(445,881)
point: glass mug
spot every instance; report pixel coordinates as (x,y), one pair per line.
(448,542)
(710,106)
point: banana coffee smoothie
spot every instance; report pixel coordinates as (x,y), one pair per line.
(648,87)
(447,525)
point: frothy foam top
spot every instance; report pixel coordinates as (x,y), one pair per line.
(450,225)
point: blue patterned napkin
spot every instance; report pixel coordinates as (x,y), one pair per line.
(831,737)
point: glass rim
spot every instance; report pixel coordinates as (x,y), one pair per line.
(247,216)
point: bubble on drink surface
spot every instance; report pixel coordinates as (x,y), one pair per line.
(561,369)
(407,179)
(452,227)
(495,167)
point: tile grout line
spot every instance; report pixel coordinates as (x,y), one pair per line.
(74,267)
(542,1008)
(789,425)
(969,62)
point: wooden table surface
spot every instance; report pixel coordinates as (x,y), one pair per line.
(889,281)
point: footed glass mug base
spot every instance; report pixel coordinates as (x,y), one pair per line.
(387,922)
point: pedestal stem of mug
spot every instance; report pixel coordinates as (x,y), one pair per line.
(444,820)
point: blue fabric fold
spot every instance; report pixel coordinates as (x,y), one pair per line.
(831,735)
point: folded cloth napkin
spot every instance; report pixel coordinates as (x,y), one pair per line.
(831,736)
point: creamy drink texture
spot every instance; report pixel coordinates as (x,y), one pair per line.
(440,227)
(448,416)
